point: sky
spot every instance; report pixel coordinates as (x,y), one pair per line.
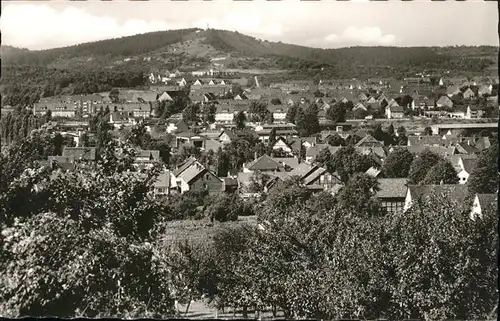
(325,24)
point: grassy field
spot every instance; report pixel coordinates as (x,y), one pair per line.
(199,230)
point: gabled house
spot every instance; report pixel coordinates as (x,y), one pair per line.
(161,187)
(466,166)
(282,144)
(394,111)
(481,203)
(392,193)
(227,136)
(146,158)
(359,106)
(453,91)
(194,176)
(469,93)
(474,112)
(444,101)
(279,112)
(369,141)
(264,164)
(466,148)
(418,193)
(317,178)
(176,125)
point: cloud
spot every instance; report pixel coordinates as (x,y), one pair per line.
(36,26)
(360,36)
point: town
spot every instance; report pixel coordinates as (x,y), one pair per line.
(202,116)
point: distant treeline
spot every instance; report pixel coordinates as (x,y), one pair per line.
(25,85)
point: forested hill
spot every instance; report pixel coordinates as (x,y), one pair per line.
(195,46)
(126,62)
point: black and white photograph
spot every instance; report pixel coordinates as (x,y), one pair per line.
(260,160)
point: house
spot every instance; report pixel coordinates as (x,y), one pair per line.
(466,148)
(230,184)
(227,136)
(450,129)
(118,119)
(289,163)
(165,97)
(317,178)
(282,144)
(418,193)
(279,113)
(284,130)
(481,203)
(469,94)
(161,187)
(369,141)
(474,112)
(485,90)
(444,101)
(392,193)
(146,158)
(466,166)
(359,106)
(194,176)
(452,91)
(176,125)
(198,97)
(263,164)
(482,143)
(460,114)
(394,111)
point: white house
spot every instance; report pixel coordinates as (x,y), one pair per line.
(481,203)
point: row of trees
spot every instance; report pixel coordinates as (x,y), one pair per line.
(314,258)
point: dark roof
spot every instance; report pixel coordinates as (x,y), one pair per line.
(301,170)
(392,188)
(486,199)
(468,148)
(264,163)
(368,139)
(469,164)
(457,192)
(190,173)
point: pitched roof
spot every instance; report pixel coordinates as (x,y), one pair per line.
(457,192)
(314,175)
(373,172)
(396,109)
(291,162)
(264,163)
(163,180)
(467,148)
(440,150)
(469,164)
(192,172)
(151,154)
(190,161)
(392,187)
(301,170)
(368,139)
(212,144)
(486,199)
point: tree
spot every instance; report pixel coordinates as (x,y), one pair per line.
(484,177)
(421,165)
(222,163)
(284,198)
(347,161)
(191,114)
(224,207)
(359,195)
(307,121)
(241,119)
(443,172)
(324,157)
(336,140)
(276,101)
(259,112)
(209,111)
(397,164)
(113,95)
(272,138)
(360,113)
(291,114)
(427,131)
(337,112)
